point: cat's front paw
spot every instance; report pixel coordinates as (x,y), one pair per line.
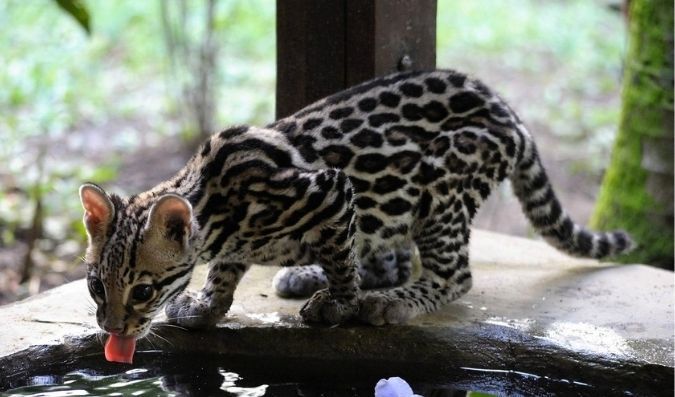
(380,309)
(188,311)
(323,308)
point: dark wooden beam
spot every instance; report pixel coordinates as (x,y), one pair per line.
(310,50)
(383,36)
(324,46)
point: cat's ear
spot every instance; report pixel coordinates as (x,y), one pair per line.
(170,222)
(98,210)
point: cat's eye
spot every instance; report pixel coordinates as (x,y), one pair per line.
(96,286)
(142,292)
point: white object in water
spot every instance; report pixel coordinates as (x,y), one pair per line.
(393,387)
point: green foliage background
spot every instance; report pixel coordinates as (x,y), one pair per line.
(60,84)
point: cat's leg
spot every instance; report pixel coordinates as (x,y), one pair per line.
(380,269)
(206,308)
(445,276)
(330,236)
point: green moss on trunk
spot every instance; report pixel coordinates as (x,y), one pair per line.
(637,191)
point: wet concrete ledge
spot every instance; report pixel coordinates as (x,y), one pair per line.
(531,309)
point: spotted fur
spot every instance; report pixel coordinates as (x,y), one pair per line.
(352,183)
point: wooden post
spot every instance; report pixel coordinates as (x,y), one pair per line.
(324,46)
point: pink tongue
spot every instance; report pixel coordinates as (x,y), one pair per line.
(120,349)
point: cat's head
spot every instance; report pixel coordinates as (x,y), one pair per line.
(136,255)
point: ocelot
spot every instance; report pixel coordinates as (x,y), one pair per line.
(351,183)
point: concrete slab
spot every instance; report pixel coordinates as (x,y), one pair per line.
(531,309)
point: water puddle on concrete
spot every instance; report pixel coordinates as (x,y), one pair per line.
(159,374)
(574,336)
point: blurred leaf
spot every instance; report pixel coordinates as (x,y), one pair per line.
(102,174)
(77,10)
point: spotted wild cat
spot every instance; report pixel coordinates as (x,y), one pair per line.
(351,183)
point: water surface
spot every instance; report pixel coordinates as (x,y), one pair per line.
(161,374)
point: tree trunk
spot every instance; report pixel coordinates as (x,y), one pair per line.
(637,191)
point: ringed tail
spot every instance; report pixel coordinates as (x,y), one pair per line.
(541,206)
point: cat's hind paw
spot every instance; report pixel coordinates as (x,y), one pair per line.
(379,309)
(387,268)
(291,282)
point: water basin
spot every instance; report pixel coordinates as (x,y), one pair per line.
(159,374)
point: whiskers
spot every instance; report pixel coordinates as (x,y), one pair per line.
(100,335)
(182,317)
(153,334)
(91,307)
(175,326)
